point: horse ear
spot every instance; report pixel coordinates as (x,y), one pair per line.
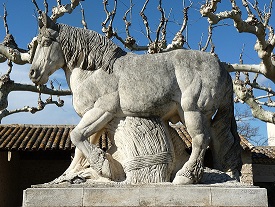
(46,22)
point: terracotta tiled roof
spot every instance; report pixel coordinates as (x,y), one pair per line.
(260,154)
(246,145)
(182,131)
(35,137)
(263,155)
(56,137)
(49,137)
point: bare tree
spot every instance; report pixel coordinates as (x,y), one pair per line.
(256,23)
(247,17)
(247,126)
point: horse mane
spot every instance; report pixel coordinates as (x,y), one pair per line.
(87,49)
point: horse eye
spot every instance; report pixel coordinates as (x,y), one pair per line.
(47,43)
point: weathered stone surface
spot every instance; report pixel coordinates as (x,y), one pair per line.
(145,195)
(181,85)
(52,197)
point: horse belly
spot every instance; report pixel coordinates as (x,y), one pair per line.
(148,97)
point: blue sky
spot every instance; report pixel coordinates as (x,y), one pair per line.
(23,25)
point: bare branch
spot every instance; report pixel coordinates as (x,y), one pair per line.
(36,6)
(83,21)
(250,25)
(14,55)
(163,31)
(268,15)
(145,21)
(209,38)
(130,43)
(60,10)
(257,9)
(7,86)
(263,88)
(185,18)
(58,2)
(266,96)
(126,22)
(5,19)
(46,5)
(268,104)
(10,67)
(158,45)
(42,89)
(109,18)
(245,95)
(261,69)
(40,107)
(178,41)
(245,4)
(162,21)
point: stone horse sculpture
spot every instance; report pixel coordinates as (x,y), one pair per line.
(106,82)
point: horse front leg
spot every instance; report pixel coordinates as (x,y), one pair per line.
(198,126)
(79,156)
(77,164)
(93,121)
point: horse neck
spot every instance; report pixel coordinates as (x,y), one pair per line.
(75,76)
(78,44)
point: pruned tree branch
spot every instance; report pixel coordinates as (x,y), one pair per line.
(14,55)
(41,105)
(129,41)
(251,25)
(126,22)
(9,49)
(60,10)
(5,19)
(83,20)
(209,38)
(46,5)
(145,21)
(108,30)
(185,18)
(245,95)
(7,86)
(178,41)
(160,26)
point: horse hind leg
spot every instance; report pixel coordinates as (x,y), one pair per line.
(198,126)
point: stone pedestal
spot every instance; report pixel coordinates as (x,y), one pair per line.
(145,195)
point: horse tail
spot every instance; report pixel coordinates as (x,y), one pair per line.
(226,148)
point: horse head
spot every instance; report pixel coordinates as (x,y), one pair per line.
(48,56)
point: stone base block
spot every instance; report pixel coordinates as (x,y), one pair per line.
(145,195)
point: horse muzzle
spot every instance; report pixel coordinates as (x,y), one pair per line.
(35,75)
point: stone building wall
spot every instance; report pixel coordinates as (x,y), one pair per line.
(26,169)
(8,179)
(247,176)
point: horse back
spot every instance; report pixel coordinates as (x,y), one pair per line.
(149,82)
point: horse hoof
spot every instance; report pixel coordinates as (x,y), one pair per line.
(182,180)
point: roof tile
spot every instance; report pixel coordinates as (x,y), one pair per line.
(56,137)
(35,137)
